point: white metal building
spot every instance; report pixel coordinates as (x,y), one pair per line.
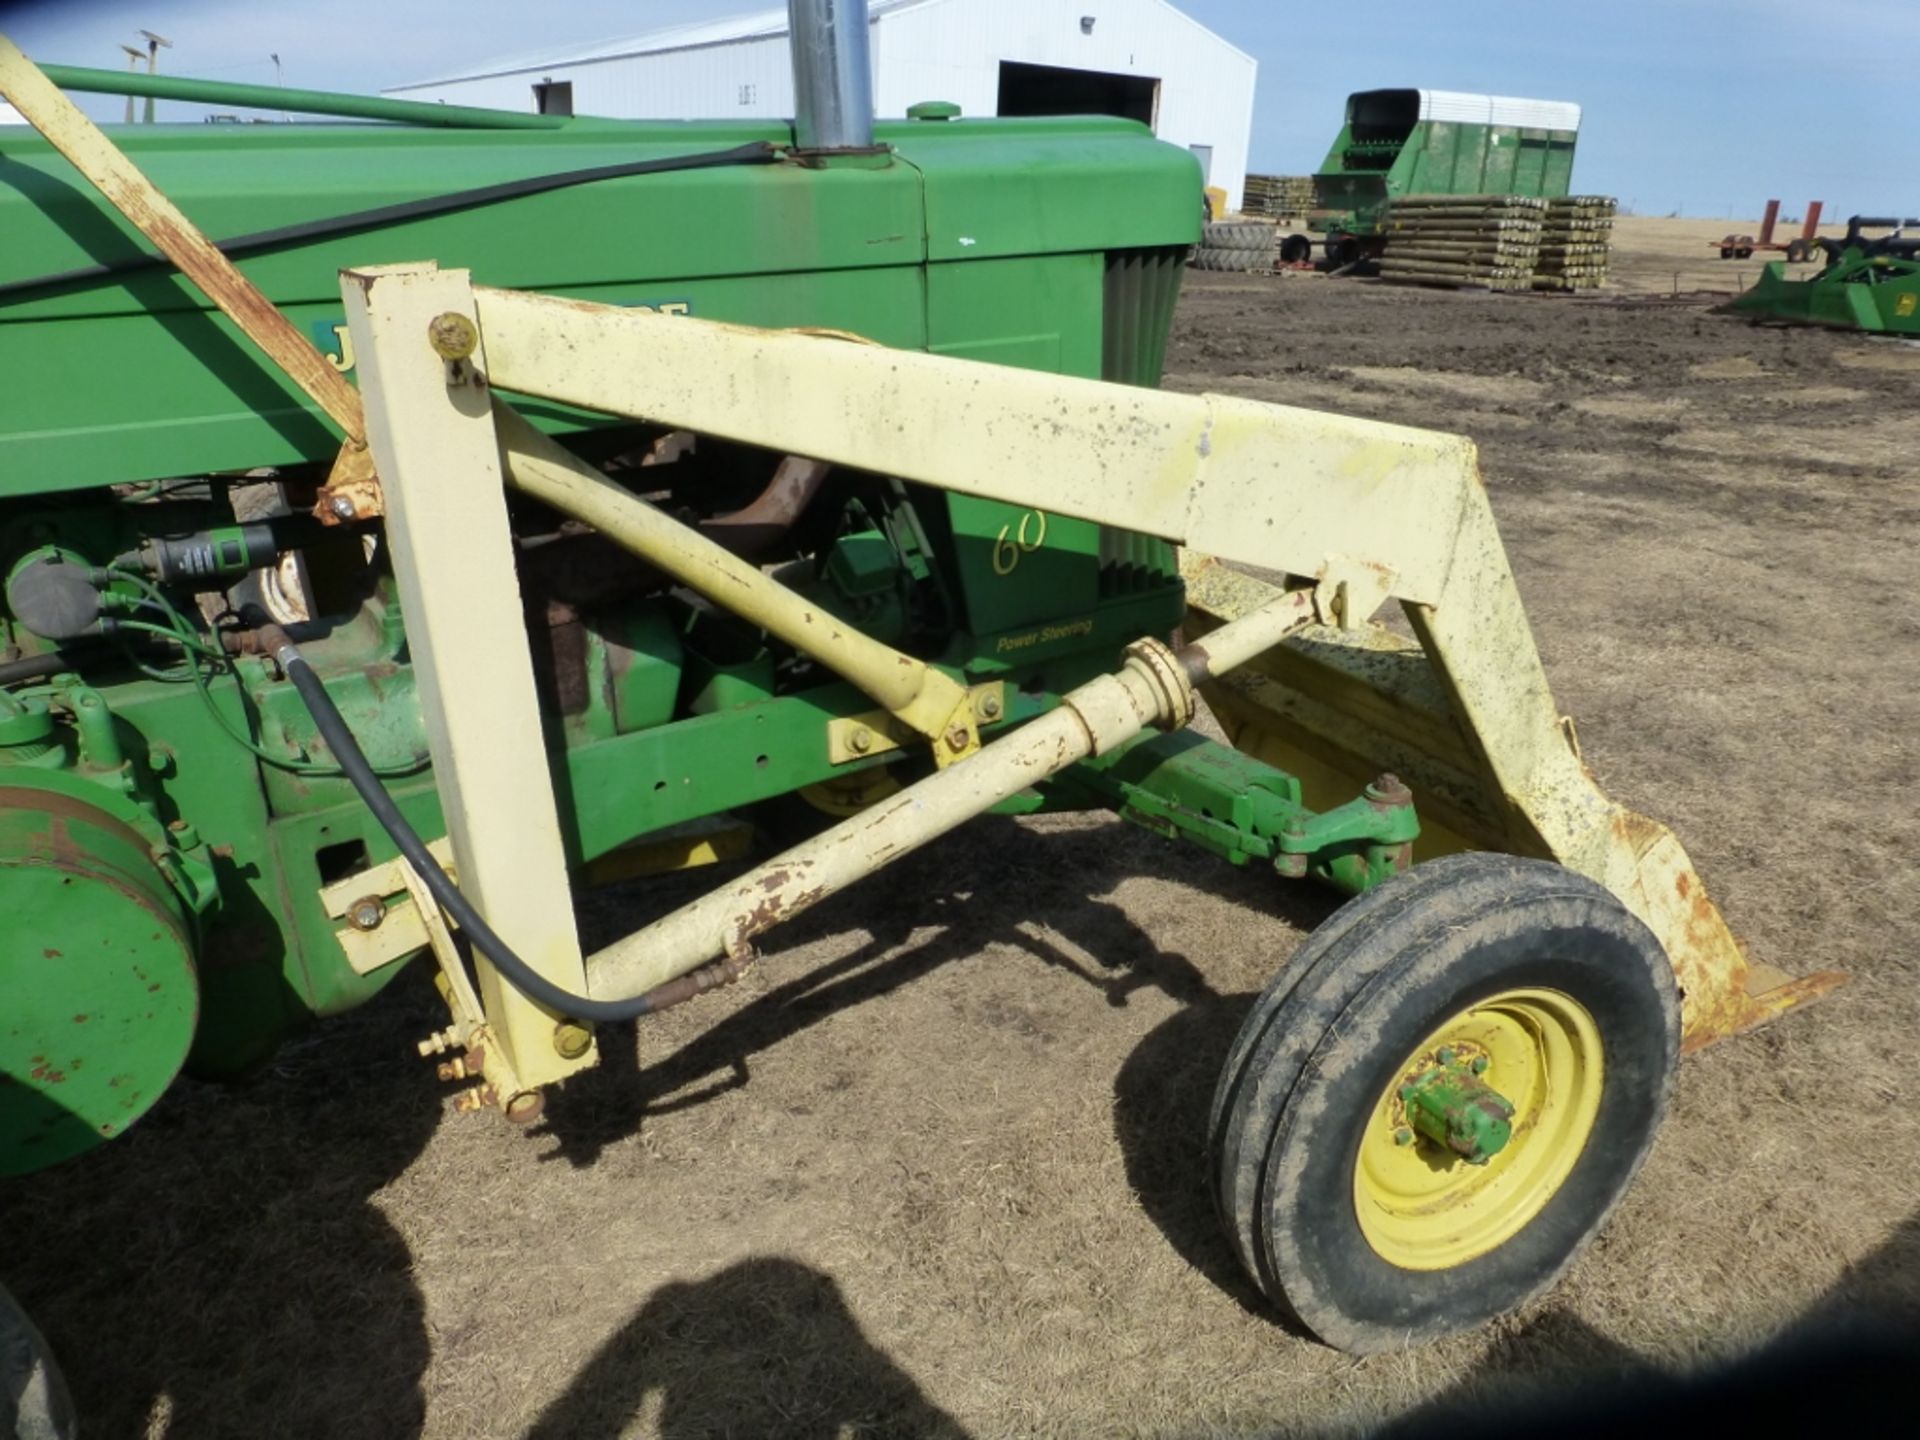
(1140,58)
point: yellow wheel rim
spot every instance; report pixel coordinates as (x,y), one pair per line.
(1423,1208)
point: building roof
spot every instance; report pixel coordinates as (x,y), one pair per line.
(730,30)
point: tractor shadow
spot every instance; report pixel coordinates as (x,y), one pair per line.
(220,1271)
(766,1347)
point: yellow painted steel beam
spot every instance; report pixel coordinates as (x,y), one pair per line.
(430,424)
(1364,510)
(1222,475)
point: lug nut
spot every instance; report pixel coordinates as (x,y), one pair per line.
(1402,1135)
(1447,1055)
(1480,1063)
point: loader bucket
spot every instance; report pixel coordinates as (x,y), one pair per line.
(1338,706)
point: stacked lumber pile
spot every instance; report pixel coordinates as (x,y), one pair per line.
(1575,243)
(1278,197)
(1491,242)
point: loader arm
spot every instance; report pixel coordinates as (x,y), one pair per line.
(1359,511)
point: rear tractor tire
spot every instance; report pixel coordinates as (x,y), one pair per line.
(1440,1100)
(34,1404)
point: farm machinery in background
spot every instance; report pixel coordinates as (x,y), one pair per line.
(1869,282)
(1399,144)
(1797,250)
(501,504)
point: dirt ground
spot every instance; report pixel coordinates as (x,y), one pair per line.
(934,1168)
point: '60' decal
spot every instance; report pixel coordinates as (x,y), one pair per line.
(1014,541)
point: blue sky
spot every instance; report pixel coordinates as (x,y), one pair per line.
(1706,107)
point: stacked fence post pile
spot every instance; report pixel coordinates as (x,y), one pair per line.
(1278,197)
(1576,243)
(1488,241)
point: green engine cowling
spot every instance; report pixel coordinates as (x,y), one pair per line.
(144,840)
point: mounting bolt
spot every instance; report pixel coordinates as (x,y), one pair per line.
(990,707)
(342,507)
(957,739)
(571,1039)
(1402,1135)
(1388,790)
(452,336)
(367,913)
(861,740)
(439,1042)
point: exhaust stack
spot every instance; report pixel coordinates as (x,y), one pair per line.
(832,76)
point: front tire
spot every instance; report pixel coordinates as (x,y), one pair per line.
(34,1404)
(1494,977)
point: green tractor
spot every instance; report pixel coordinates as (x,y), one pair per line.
(500,504)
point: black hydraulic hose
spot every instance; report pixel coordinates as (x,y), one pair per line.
(353,763)
(34,667)
(758,152)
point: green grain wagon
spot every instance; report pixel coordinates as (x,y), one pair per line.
(1436,142)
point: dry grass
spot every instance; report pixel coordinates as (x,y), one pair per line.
(935,1166)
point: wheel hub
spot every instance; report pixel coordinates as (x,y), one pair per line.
(1451,1106)
(1483,1122)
